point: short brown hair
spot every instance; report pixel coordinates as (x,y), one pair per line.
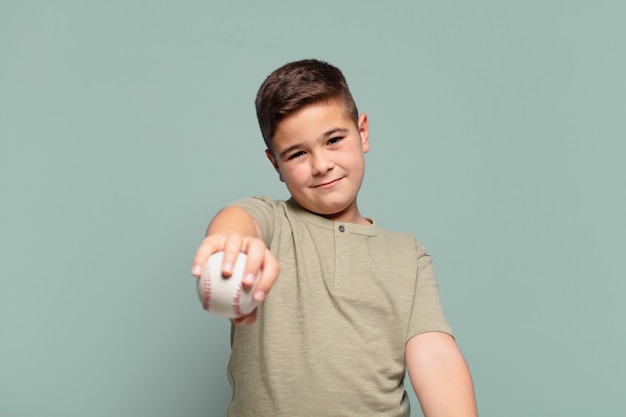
(298,84)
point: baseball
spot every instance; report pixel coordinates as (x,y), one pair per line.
(226,297)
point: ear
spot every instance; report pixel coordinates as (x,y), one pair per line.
(274,163)
(364,132)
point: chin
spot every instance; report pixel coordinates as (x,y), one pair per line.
(326,209)
(333,211)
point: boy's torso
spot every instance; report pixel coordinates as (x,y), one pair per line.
(329,339)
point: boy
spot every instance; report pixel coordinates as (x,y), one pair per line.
(355,305)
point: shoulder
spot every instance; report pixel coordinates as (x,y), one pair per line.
(261,206)
(271,215)
(403,243)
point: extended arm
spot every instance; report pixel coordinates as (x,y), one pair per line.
(233,230)
(440,376)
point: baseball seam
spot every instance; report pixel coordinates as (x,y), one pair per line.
(236,300)
(207,291)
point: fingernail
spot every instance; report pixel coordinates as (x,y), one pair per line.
(195,270)
(259,296)
(248,279)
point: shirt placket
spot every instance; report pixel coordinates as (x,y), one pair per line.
(342,257)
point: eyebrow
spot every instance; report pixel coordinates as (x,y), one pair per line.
(331,132)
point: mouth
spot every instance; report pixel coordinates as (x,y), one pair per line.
(328,184)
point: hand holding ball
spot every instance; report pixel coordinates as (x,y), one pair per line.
(226,297)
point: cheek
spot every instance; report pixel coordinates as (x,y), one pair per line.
(355,160)
(295,175)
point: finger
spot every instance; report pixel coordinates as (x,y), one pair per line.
(255,251)
(269,273)
(232,247)
(209,246)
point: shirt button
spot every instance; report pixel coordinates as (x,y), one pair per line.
(342,229)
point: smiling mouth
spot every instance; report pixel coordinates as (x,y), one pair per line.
(328,184)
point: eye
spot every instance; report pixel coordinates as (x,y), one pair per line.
(335,140)
(295,155)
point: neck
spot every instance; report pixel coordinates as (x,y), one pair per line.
(349,215)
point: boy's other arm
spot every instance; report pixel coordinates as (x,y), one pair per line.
(440,376)
(233,230)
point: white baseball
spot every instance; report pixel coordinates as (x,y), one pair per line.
(226,297)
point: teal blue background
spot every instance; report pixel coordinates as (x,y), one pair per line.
(498,139)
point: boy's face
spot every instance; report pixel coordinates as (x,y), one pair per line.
(318,153)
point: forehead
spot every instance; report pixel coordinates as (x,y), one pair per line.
(312,121)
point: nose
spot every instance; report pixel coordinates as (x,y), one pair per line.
(321,163)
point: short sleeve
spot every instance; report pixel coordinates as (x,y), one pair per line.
(263,210)
(427,314)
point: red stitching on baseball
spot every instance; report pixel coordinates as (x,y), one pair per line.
(207,290)
(236,300)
